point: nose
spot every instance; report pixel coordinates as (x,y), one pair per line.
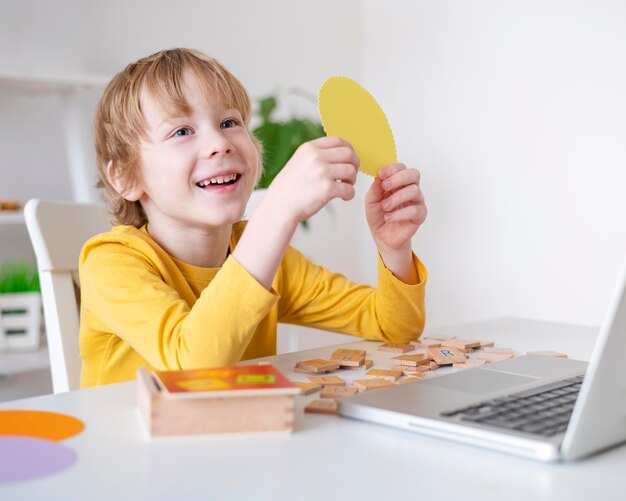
(217,145)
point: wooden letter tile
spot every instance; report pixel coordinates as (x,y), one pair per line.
(411,371)
(390,375)
(447,356)
(316,366)
(493,349)
(307,388)
(371,384)
(494,357)
(326,406)
(338,391)
(396,347)
(351,358)
(365,365)
(468,364)
(460,344)
(440,337)
(413,360)
(327,380)
(548,353)
(426,343)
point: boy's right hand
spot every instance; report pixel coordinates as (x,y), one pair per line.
(319,171)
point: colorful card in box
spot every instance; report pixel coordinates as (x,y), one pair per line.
(239,381)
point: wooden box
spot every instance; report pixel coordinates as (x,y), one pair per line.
(215,411)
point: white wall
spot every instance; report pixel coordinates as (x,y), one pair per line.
(515,112)
(271,46)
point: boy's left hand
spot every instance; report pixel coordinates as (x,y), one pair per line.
(395,207)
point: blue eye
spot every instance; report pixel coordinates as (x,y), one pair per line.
(229,124)
(183,131)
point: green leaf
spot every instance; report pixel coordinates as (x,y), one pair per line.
(280,140)
(266,107)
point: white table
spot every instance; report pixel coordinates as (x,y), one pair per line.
(326,458)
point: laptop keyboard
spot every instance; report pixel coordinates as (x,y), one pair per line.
(545,410)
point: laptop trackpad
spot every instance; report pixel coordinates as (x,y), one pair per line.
(480,382)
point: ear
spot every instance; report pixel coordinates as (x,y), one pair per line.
(259,167)
(120,183)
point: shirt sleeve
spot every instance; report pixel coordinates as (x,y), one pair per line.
(132,299)
(312,295)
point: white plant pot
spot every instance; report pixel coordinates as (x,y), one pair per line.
(20,321)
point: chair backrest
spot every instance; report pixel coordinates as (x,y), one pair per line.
(58,231)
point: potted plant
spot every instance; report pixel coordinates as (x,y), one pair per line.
(20,306)
(280,140)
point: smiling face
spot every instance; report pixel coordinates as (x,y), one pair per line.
(198,169)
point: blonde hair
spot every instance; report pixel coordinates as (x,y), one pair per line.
(119,123)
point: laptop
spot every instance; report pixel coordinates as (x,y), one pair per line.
(541,407)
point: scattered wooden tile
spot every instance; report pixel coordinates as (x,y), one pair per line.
(345,351)
(494,349)
(412,360)
(433,366)
(426,343)
(410,371)
(326,406)
(350,358)
(440,337)
(494,357)
(366,365)
(548,353)
(396,347)
(371,384)
(461,344)
(327,380)
(338,391)
(408,380)
(307,388)
(486,344)
(469,364)
(316,366)
(306,371)
(391,375)
(447,356)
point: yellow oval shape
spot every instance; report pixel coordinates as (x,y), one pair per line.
(349,111)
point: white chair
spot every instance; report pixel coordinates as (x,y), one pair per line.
(58,231)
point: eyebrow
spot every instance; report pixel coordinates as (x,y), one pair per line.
(169,120)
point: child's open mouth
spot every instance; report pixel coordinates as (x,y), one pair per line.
(219,181)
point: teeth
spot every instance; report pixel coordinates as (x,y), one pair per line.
(218,180)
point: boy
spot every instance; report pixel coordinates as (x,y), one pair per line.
(181,282)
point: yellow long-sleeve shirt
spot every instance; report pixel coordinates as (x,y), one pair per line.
(140,306)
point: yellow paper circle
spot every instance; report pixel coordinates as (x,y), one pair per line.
(349,111)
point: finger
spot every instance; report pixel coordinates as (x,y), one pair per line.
(330,142)
(375,193)
(401,178)
(341,154)
(344,191)
(390,169)
(410,193)
(415,213)
(345,173)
